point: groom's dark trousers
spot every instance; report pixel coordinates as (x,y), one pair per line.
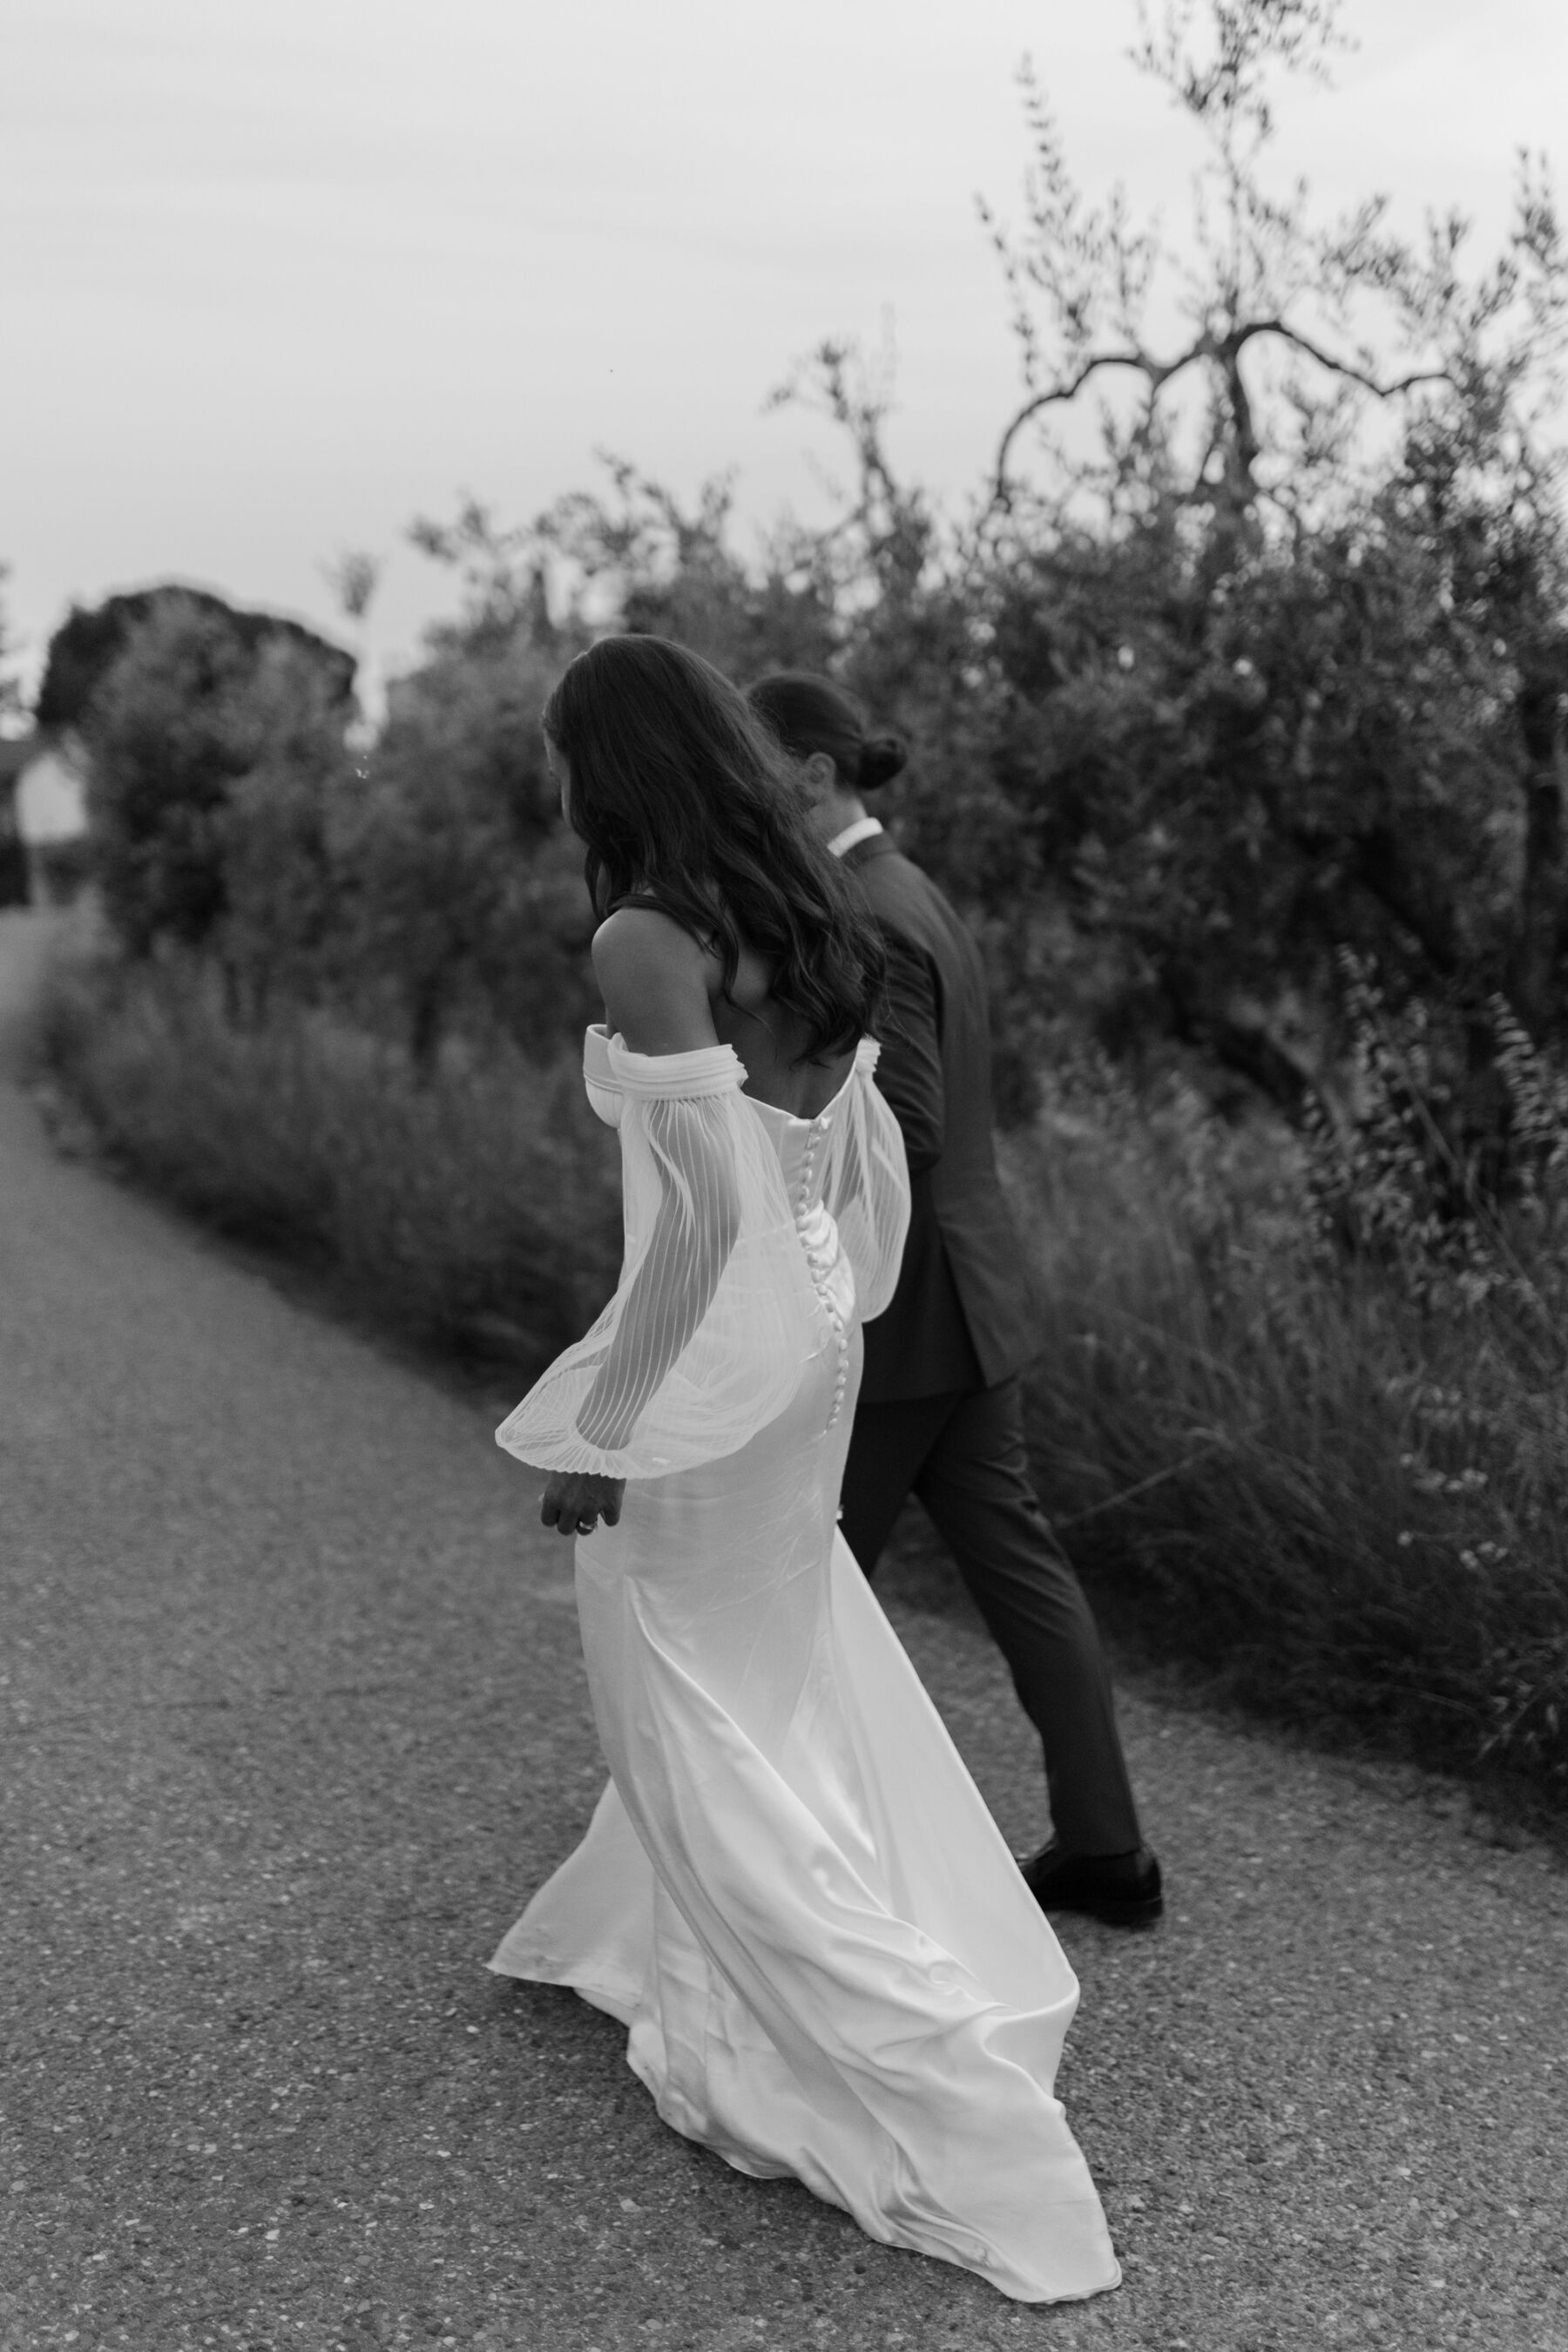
(940,1408)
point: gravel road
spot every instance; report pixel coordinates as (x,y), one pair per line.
(294,1721)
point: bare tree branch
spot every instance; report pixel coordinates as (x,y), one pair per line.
(1223,351)
(1337,366)
(1158,373)
(1079,275)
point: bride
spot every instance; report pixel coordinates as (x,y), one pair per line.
(791,1893)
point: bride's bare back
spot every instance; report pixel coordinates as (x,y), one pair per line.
(664,993)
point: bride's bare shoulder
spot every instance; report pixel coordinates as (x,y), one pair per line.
(655,981)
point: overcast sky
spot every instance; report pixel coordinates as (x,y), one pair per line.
(276,275)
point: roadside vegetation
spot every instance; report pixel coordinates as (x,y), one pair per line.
(1238,721)
(471,1205)
(1333,1478)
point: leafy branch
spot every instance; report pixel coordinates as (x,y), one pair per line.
(1082,278)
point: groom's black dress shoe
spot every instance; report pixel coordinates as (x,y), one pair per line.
(1123,1889)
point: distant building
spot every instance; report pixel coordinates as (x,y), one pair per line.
(43,781)
(51,793)
(15,752)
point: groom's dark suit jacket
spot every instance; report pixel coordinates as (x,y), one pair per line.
(963,1315)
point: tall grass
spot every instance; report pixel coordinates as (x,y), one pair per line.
(1342,1488)
(478,1209)
(1336,1475)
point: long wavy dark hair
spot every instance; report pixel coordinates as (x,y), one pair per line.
(680,792)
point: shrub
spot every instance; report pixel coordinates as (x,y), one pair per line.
(193,703)
(459,899)
(1348,1493)
(477,1209)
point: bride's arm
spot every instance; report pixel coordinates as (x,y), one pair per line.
(655,982)
(715,1315)
(694,1231)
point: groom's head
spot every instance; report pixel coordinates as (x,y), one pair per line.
(823,730)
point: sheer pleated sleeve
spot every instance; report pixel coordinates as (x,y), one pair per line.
(714,1318)
(866,1185)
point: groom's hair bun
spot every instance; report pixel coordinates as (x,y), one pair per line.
(882,759)
(810,713)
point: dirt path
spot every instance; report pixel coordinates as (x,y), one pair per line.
(293,1720)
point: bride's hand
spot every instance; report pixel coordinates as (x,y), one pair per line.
(576,1501)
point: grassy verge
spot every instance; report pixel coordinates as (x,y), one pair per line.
(1346,1505)
(1350,1506)
(479,1212)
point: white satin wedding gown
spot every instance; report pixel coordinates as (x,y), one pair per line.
(791,1892)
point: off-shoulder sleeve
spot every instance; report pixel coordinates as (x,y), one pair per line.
(713,1320)
(866,1186)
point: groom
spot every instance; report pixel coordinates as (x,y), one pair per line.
(941,1412)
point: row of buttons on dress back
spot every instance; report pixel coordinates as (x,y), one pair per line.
(818,1265)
